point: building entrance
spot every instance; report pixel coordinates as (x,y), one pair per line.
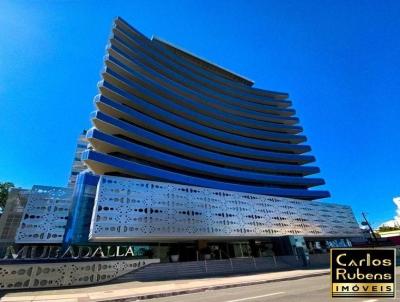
(240,249)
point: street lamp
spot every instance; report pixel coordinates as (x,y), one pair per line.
(366,223)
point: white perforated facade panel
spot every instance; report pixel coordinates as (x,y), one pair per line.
(133,209)
(45,215)
(62,274)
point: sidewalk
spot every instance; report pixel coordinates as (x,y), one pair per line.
(146,290)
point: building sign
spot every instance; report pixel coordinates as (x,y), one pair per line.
(75,252)
(338,243)
(363,272)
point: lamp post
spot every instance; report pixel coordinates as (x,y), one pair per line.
(365,222)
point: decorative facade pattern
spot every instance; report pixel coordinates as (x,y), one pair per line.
(164,114)
(132,209)
(13,213)
(45,215)
(62,274)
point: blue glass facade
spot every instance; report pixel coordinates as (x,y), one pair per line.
(80,214)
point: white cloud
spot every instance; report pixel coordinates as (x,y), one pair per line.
(396,221)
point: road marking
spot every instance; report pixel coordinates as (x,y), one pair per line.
(256,297)
(373,300)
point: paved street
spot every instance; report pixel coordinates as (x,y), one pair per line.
(110,292)
(305,285)
(308,289)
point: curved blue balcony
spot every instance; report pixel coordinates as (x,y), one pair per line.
(164,114)
(169,58)
(232,162)
(107,144)
(133,45)
(102,121)
(104,163)
(113,80)
(137,79)
(134,58)
(132,90)
(164,123)
(201,120)
(170,52)
(148,76)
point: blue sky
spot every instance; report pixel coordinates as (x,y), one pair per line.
(338,60)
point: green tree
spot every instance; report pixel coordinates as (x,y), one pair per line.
(388,229)
(4,188)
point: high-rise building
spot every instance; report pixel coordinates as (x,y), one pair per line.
(12,215)
(183,150)
(164,114)
(40,215)
(77,164)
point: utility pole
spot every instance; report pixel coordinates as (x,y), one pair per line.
(365,222)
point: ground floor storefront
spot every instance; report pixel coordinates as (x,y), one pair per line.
(181,251)
(268,247)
